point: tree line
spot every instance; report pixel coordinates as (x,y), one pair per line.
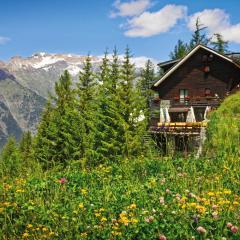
(199,37)
(103,117)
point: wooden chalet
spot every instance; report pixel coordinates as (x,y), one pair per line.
(188,90)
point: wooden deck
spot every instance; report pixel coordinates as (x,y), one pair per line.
(178,128)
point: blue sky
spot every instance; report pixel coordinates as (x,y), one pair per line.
(150,27)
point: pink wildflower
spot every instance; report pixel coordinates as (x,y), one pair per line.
(62,180)
(201,230)
(149,219)
(168,191)
(161,199)
(234,229)
(214,207)
(162,237)
(229,225)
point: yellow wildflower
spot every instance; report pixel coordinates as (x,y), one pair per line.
(25,235)
(83,191)
(103,219)
(227,192)
(235,203)
(123,219)
(210,194)
(81,206)
(183,206)
(51,233)
(45,229)
(133,206)
(193,204)
(29,225)
(20,191)
(134,220)
(115,233)
(201,209)
(6,204)
(84,234)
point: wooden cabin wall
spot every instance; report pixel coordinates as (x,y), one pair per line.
(223,76)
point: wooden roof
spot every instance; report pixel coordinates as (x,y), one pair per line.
(179,63)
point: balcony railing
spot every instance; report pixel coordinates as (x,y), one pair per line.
(190,101)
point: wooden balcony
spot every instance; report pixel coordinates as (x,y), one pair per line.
(178,128)
(196,101)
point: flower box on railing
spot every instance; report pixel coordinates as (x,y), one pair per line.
(187,98)
(176,98)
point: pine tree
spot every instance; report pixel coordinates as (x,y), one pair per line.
(219,44)
(180,50)
(146,82)
(199,37)
(132,106)
(59,136)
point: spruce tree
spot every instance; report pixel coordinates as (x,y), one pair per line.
(108,132)
(132,109)
(10,162)
(199,37)
(219,44)
(180,50)
(25,146)
(59,136)
(146,82)
(114,71)
(87,107)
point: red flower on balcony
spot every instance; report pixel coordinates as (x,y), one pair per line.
(176,98)
(187,98)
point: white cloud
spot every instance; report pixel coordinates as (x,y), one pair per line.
(4,40)
(217,21)
(129,9)
(153,23)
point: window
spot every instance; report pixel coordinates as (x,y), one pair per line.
(183,94)
(207,91)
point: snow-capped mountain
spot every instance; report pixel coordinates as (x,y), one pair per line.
(26,82)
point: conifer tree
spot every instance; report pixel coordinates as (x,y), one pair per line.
(25,146)
(87,107)
(59,134)
(199,37)
(108,132)
(219,44)
(146,82)
(132,106)
(180,50)
(114,70)
(10,161)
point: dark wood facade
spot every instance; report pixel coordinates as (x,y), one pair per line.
(222,77)
(199,81)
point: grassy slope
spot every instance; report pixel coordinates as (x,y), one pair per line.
(138,199)
(224,132)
